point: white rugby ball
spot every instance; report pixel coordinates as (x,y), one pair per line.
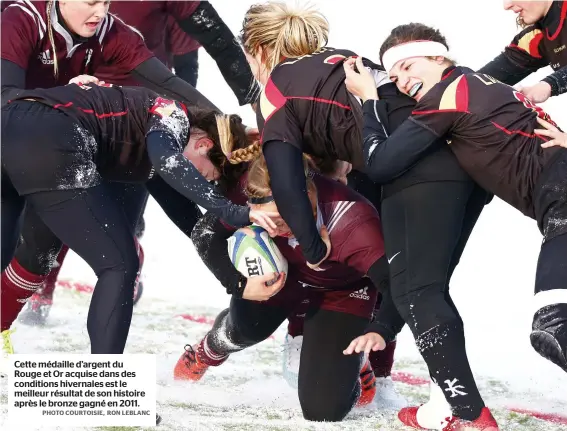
(254,253)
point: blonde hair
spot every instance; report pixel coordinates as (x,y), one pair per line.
(226,139)
(283,31)
(259,183)
(48,9)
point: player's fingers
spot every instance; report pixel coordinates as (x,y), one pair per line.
(369,345)
(360,66)
(278,284)
(350,349)
(549,144)
(543,132)
(547,124)
(360,344)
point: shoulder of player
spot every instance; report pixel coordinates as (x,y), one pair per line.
(25,10)
(115,29)
(447,91)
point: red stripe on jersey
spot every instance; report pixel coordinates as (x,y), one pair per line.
(274,95)
(90,111)
(561,23)
(533,46)
(317,99)
(517,132)
(447,74)
(462,95)
(437,111)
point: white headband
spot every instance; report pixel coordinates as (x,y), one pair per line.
(416,48)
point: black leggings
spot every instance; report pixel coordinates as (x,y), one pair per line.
(38,247)
(426,227)
(96,228)
(328,380)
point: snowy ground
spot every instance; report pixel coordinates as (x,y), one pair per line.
(493,286)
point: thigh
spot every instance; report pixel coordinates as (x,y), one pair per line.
(133,199)
(91,224)
(12,207)
(39,246)
(422,225)
(478,199)
(328,378)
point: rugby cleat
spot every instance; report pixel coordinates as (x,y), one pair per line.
(189,367)
(291,358)
(37,309)
(485,422)
(387,398)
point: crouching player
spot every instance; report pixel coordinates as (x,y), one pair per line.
(338,297)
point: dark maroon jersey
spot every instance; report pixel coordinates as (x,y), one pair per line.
(25,42)
(306,104)
(154,20)
(490,128)
(179,42)
(355,232)
(544,43)
(119,118)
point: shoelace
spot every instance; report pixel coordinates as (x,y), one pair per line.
(451,422)
(190,355)
(7,342)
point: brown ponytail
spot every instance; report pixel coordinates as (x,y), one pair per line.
(49,8)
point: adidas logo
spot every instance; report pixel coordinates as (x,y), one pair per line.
(361,294)
(45,57)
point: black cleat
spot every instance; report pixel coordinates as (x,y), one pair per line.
(549,334)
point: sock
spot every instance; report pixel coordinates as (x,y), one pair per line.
(17,286)
(443,349)
(51,280)
(382,361)
(207,356)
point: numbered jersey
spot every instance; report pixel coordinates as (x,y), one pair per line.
(306,104)
(490,128)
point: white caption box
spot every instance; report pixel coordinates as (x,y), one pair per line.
(82,390)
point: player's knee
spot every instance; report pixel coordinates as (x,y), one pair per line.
(38,258)
(324,407)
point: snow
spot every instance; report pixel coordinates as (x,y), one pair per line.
(492,286)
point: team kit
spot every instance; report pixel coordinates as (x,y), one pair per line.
(343,215)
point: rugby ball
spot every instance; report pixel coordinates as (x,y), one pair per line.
(254,253)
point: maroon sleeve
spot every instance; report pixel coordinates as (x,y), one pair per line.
(124,47)
(365,243)
(20,35)
(181,9)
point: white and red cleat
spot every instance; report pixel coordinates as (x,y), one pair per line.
(485,422)
(189,367)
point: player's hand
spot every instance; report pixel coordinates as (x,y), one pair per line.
(264,220)
(327,240)
(86,79)
(558,138)
(360,83)
(538,93)
(366,343)
(257,290)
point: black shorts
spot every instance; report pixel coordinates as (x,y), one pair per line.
(43,149)
(551,199)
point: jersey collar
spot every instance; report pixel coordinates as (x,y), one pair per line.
(71,43)
(554,20)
